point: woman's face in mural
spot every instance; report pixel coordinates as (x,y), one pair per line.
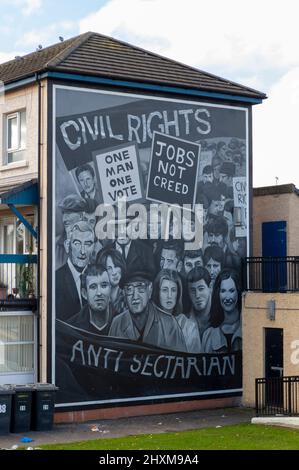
(228,295)
(114,272)
(168,295)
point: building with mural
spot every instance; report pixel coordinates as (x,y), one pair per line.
(125,209)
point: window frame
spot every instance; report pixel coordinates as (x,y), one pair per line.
(20,147)
(32,372)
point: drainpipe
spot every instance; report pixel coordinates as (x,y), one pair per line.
(39,144)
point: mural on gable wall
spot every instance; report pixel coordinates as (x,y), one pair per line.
(150,220)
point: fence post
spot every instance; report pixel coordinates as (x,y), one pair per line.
(256,397)
(290,396)
(244,274)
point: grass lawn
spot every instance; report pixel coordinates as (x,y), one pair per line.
(237,437)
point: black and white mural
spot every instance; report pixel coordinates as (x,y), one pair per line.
(150,219)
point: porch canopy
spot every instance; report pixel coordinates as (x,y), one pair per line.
(24,194)
(21,195)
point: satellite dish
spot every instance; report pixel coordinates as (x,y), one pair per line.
(61,39)
(39,47)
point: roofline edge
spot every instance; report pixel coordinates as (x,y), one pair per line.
(131,84)
(150,86)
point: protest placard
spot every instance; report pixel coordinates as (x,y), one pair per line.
(240,203)
(173,170)
(118,173)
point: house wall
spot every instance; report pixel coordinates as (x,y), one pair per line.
(254,321)
(18,172)
(43,254)
(275,207)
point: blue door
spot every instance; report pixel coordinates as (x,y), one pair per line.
(274,252)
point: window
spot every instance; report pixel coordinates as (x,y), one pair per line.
(17,339)
(15,136)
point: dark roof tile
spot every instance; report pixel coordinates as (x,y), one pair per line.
(95,54)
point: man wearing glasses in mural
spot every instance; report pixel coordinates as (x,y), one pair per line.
(96,315)
(79,247)
(143,321)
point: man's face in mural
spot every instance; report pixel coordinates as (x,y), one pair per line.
(214,268)
(216,207)
(97,292)
(114,272)
(199,294)
(86,181)
(190,263)
(169,259)
(80,248)
(168,295)
(215,239)
(228,295)
(90,218)
(226,179)
(138,295)
(207,177)
(69,219)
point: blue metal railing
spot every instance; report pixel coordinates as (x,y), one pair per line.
(18,280)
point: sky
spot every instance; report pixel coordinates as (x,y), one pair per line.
(253,43)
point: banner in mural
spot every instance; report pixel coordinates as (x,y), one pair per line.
(148,246)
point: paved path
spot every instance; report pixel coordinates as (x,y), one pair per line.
(133,425)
